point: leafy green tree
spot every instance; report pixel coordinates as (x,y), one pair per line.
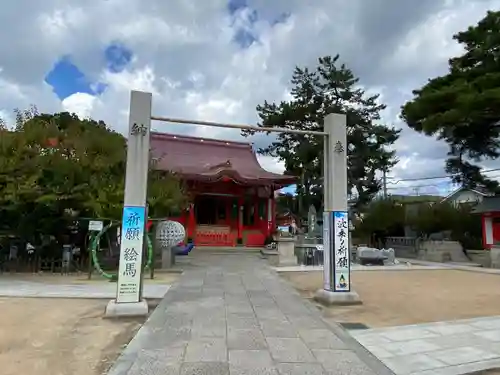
(56,166)
(330,88)
(382,218)
(456,221)
(463,107)
(431,218)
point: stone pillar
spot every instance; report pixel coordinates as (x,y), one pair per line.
(129,301)
(286,252)
(337,264)
(495,256)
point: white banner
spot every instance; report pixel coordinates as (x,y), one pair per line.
(341,252)
(131,248)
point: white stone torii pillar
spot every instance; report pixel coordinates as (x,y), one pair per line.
(336,247)
(129,301)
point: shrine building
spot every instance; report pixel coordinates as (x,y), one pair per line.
(232,196)
(489,209)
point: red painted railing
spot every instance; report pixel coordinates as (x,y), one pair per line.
(215,239)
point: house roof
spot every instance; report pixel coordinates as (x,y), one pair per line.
(410,199)
(212,160)
(488,204)
(479,190)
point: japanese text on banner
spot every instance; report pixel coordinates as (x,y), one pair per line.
(129,277)
(341,251)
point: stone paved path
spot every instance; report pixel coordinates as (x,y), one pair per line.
(442,348)
(230,314)
(18,288)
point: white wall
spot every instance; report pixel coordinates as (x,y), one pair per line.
(465,196)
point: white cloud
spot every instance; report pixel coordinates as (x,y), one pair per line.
(80,103)
(185,55)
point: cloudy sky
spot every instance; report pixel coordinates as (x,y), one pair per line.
(217,59)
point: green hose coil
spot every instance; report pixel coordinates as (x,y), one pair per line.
(94,246)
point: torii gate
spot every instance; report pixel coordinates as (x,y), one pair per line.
(337,268)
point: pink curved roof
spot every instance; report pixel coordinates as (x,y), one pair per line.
(211,160)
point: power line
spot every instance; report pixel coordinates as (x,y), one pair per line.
(435,177)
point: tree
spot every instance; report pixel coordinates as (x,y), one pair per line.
(55,165)
(455,221)
(381,219)
(330,88)
(463,107)
(432,218)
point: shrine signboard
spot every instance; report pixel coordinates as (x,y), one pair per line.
(131,250)
(341,263)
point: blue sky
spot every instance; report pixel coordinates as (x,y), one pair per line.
(66,79)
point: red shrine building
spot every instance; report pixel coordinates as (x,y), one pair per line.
(232,196)
(489,209)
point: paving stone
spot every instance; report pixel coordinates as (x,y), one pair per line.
(341,362)
(157,362)
(154,368)
(410,347)
(321,339)
(245,339)
(407,364)
(242,321)
(243,308)
(206,350)
(306,322)
(205,368)
(405,334)
(300,369)
(289,350)
(215,319)
(371,339)
(483,324)
(251,362)
(378,352)
(207,329)
(262,302)
(277,328)
(449,328)
(237,370)
(248,358)
(491,335)
(269,313)
(467,368)
(164,338)
(457,356)
(458,340)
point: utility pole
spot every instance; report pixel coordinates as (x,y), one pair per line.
(384,182)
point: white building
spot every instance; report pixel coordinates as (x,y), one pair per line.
(465,195)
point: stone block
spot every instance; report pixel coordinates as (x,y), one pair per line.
(342,362)
(121,310)
(321,339)
(206,350)
(300,369)
(289,350)
(495,257)
(245,339)
(204,368)
(286,252)
(390,256)
(329,298)
(277,328)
